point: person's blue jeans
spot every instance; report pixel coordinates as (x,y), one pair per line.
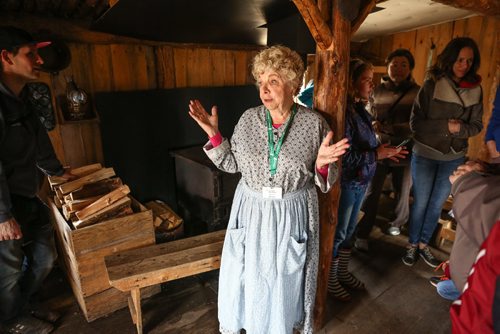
(25,263)
(350,202)
(448,290)
(431,188)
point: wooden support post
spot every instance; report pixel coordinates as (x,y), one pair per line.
(485,7)
(331,78)
(315,22)
(362,14)
(134,304)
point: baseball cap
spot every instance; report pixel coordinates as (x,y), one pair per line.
(12,37)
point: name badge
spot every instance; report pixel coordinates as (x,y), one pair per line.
(272,192)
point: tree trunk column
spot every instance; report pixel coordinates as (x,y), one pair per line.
(330,88)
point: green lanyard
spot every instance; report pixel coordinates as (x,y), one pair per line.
(274,151)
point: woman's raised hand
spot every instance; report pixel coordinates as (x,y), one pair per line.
(384,151)
(327,153)
(209,123)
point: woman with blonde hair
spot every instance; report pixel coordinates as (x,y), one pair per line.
(267,281)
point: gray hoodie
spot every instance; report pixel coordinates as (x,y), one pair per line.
(476,207)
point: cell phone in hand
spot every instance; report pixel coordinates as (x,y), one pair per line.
(403,143)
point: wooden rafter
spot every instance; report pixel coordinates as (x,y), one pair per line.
(486,7)
(366,7)
(315,22)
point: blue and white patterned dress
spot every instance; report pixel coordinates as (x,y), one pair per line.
(267,281)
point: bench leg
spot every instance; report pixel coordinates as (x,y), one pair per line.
(134,304)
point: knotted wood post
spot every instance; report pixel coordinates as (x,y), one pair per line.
(330,91)
(328,23)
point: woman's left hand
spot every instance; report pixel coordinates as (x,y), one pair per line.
(327,153)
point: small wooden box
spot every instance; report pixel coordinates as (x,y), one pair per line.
(82,253)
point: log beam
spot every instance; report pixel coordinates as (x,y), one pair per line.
(315,22)
(485,7)
(366,8)
(330,91)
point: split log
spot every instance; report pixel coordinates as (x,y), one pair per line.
(166,215)
(94,189)
(55,180)
(106,213)
(102,174)
(103,202)
(68,214)
(81,203)
(57,202)
(86,170)
(59,194)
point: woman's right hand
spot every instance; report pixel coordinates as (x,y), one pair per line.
(384,151)
(209,123)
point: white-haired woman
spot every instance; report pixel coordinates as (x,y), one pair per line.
(267,280)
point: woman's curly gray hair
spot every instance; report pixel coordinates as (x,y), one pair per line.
(284,61)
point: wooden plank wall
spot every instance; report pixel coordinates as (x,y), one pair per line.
(483,29)
(123,67)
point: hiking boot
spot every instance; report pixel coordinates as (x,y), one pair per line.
(411,256)
(27,325)
(426,254)
(361,244)
(394,230)
(434,280)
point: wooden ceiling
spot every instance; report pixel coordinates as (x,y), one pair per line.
(182,21)
(87,10)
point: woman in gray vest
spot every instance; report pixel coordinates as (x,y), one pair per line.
(448,111)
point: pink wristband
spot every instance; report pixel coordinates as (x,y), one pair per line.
(216,140)
(323,171)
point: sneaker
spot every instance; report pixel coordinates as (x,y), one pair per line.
(425,253)
(394,230)
(361,244)
(411,256)
(434,280)
(27,325)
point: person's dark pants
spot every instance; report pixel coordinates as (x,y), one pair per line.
(25,263)
(401,179)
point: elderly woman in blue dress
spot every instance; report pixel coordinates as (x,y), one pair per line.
(269,265)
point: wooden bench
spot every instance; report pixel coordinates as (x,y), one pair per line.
(135,269)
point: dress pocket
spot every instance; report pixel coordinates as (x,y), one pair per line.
(234,245)
(231,279)
(296,256)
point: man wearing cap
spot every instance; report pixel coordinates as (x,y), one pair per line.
(27,251)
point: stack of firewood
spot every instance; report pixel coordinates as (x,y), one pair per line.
(165,219)
(95,195)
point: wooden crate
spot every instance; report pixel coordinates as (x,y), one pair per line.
(82,253)
(445,232)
